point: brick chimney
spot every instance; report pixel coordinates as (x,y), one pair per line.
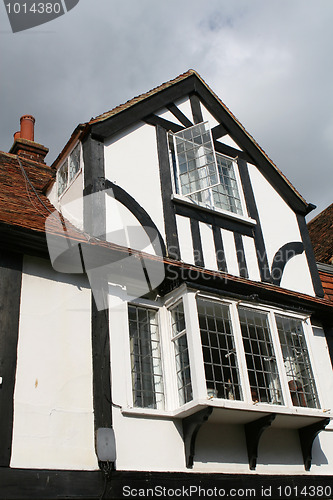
(24,141)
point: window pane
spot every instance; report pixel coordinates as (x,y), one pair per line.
(260,357)
(196,157)
(181,354)
(297,363)
(62,178)
(226,194)
(218,348)
(74,162)
(146,363)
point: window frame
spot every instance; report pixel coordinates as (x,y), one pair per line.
(66,164)
(173,407)
(176,183)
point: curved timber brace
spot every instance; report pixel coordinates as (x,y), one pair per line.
(191,426)
(307,436)
(253,432)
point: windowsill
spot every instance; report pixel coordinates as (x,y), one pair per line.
(216,211)
(237,412)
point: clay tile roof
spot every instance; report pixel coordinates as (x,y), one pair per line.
(327,281)
(18,204)
(321,234)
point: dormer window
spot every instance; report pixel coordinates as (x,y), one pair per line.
(203,176)
(68,170)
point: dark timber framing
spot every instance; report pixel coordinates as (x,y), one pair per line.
(10,297)
(317,285)
(193,86)
(253,213)
(213,218)
(95,224)
(197,246)
(243,272)
(196,109)
(140,214)
(170,224)
(50,484)
(191,427)
(179,115)
(219,249)
(282,256)
(307,435)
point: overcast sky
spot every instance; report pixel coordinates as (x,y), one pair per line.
(269,61)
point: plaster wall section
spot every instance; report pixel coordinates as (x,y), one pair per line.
(143,443)
(53,400)
(279,226)
(131,162)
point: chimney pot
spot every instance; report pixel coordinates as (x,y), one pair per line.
(17,135)
(27,127)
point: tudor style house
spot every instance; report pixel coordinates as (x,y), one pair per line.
(162,315)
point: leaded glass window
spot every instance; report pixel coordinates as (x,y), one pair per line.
(206,178)
(260,356)
(179,338)
(146,364)
(218,349)
(296,362)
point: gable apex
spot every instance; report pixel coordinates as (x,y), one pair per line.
(144,106)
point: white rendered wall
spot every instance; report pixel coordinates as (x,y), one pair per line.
(279,226)
(131,162)
(185,239)
(53,401)
(208,247)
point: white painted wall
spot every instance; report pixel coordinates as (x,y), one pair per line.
(208,247)
(279,226)
(230,252)
(185,239)
(53,405)
(251,258)
(131,161)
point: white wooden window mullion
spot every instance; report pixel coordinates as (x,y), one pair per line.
(245,383)
(279,360)
(194,346)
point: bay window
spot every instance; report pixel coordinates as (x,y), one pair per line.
(225,352)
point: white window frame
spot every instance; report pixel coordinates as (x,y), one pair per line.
(66,164)
(210,206)
(173,408)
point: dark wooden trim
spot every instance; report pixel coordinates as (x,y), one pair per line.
(50,484)
(219,249)
(140,214)
(224,149)
(307,436)
(162,122)
(219,131)
(258,158)
(179,115)
(10,298)
(317,285)
(253,433)
(94,221)
(214,219)
(196,109)
(282,256)
(94,209)
(197,246)
(22,240)
(191,427)
(253,213)
(101,361)
(144,108)
(170,224)
(193,85)
(241,259)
